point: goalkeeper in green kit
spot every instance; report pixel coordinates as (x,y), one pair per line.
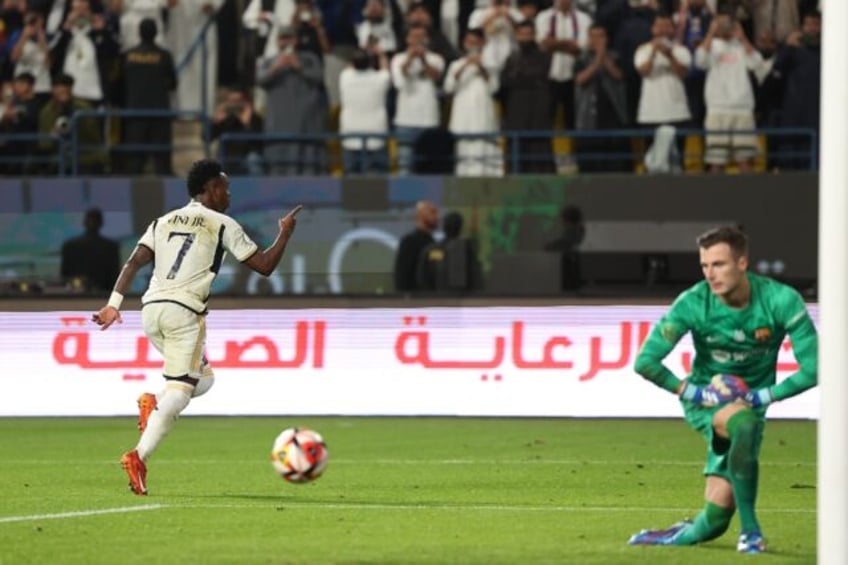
(738,322)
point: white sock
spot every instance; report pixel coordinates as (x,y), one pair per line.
(173,401)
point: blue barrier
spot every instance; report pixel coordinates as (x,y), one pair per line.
(38,158)
(70,149)
(77,148)
(510,142)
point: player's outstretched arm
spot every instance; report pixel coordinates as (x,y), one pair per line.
(265,261)
(109,314)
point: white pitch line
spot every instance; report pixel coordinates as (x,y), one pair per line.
(81,513)
(476,507)
(383,507)
(422,462)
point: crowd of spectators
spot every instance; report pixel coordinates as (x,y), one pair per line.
(471,69)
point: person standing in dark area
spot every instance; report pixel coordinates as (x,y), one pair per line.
(450,265)
(149,79)
(600,104)
(91,258)
(412,244)
(633,30)
(567,244)
(526,100)
(799,63)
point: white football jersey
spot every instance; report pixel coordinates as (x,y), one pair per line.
(188,247)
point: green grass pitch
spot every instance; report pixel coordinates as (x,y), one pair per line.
(397,490)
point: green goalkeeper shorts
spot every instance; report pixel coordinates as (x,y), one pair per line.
(700,418)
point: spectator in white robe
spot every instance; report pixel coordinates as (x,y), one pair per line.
(133,11)
(363,92)
(473,110)
(31,53)
(186,20)
(264,17)
(376,27)
(497,21)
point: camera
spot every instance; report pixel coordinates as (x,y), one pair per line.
(62,126)
(234,110)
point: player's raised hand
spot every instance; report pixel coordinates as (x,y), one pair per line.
(289,221)
(107,316)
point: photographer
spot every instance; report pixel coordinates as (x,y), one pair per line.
(20,116)
(55,119)
(309,29)
(497,21)
(376,28)
(728,56)
(237,115)
(363,92)
(86,50)
(31,54)
(416,73)
(293,81)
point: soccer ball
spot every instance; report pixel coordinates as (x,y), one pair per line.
(299,455)
(727,388)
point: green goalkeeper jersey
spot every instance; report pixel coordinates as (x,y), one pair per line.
(743,342)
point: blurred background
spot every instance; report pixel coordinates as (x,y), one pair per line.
(578,146)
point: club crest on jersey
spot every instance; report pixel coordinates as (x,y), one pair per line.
(762,334)
(739,336)
(670,333)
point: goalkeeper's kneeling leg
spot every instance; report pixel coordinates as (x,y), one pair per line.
(710,523)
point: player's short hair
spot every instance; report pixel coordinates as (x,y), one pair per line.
(201,172)
(733,236)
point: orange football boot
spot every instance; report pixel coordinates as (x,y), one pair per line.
(136,471)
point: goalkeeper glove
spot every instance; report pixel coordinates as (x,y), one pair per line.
(759,398)
(699,395)
(721,390)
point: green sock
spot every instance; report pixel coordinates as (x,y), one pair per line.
(709,524)
(745,430)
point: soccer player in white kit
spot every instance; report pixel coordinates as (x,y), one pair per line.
(188,245)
